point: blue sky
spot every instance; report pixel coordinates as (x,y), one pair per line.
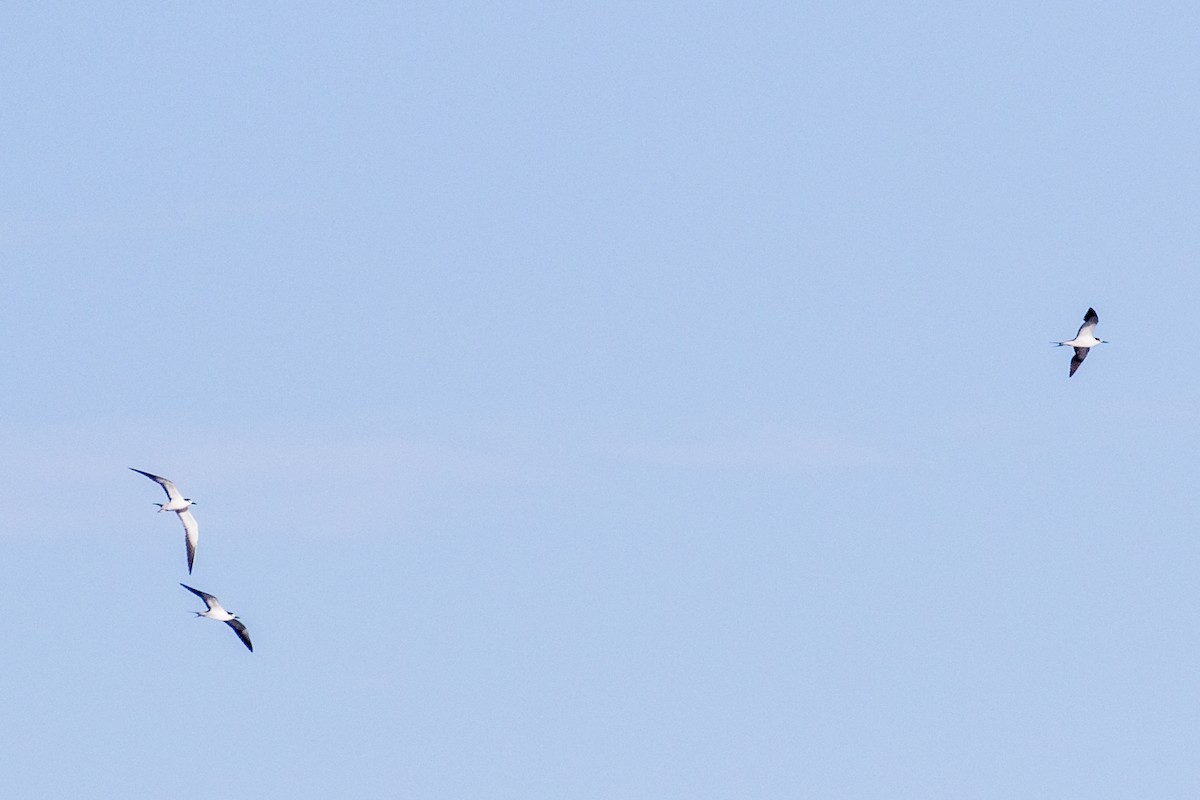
(594,401)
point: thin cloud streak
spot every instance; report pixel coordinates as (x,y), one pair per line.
(763,448)
(325,482)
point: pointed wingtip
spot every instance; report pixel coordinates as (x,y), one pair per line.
(240,629)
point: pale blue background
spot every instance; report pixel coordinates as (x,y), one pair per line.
(612,400)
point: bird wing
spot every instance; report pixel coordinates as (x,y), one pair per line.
(1089,324)
(168,486)
(240,629)
(191,534)
(1080,355)
(208,599)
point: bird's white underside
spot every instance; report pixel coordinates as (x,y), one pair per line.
(1084,339)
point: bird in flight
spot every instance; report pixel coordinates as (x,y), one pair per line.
(215,611)
(183,507)
(1084,340)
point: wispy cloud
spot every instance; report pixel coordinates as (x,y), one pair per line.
(303,480)
(764,447)
(128,219)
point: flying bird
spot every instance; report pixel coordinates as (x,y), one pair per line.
(215,611)
(183,507)
(1084,340)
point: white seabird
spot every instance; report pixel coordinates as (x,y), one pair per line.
(1084,340)
(182,506)
(215,611)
